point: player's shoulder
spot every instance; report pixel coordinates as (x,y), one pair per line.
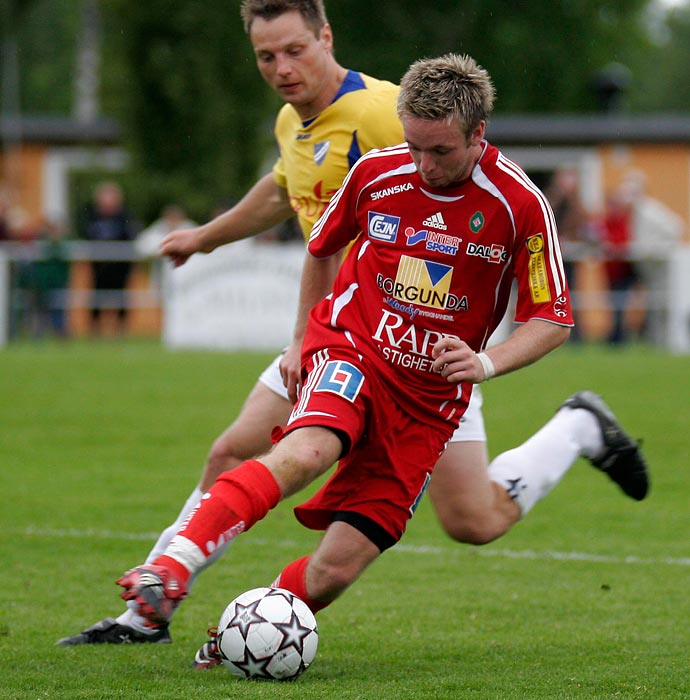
(380,93)
(508,177)
(286,119)
(378,85)
(375,164)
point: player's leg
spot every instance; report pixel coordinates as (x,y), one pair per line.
(250,434)
(477,506)
(340,559)
(239,498)
(471,508)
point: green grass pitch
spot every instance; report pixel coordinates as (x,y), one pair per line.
(586,599)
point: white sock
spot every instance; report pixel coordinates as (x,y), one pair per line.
(530,471)
(166,536)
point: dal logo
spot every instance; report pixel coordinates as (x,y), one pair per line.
(494,253)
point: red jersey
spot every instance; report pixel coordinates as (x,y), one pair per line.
(431,262)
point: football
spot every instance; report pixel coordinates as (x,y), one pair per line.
(267,633)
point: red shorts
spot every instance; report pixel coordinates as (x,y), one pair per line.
(389,454)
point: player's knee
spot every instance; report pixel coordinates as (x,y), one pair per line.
(470,531)
(221,457)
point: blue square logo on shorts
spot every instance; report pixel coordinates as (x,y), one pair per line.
(342,378)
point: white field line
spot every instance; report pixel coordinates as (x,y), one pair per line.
(413,549)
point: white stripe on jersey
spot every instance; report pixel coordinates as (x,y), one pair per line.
(480,179)
(555,259)
(376,153)
(341,301)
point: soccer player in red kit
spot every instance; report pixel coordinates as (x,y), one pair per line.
(440,227)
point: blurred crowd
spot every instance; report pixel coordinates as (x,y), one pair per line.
(616,250)
(626,242)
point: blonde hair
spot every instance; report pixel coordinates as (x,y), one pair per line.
(452,86)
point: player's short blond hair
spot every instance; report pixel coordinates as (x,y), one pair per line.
(313,12)
(443,88)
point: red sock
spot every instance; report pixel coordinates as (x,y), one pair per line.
(238,499)
(293,578)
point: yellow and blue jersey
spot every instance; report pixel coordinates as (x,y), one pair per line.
(315,156)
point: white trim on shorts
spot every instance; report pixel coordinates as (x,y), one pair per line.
(471,428)
(271,378)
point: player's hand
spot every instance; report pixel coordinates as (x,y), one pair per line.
(180,245)
(455,360)
(290,364)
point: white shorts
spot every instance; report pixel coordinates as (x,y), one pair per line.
(471,428)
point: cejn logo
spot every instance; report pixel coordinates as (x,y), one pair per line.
(383,227)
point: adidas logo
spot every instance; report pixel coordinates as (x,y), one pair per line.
(436,221)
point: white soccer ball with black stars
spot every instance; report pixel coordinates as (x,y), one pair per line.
(267,633)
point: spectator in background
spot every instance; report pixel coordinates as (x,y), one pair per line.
(621,274)
(4,218)
(107,220)
(51,279)
(147,244)
(172,217)
(575,229)
(639,232)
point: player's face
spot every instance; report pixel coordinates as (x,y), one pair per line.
(442,153)
(293,61)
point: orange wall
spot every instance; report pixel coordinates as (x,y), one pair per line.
(21,173)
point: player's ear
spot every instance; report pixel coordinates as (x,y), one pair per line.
(477,133)
(326,37)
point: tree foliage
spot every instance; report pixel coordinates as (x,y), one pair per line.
(181,79)
(192,106)
(541,55)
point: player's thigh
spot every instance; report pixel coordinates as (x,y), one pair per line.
(460,485)
(341,557)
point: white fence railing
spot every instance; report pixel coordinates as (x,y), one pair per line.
(245,295)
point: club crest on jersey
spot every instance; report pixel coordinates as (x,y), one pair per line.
(321,151)
(383,227)
(440,242)
(422,282)
(476,222)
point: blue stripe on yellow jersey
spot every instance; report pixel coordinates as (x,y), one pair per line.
(316,155)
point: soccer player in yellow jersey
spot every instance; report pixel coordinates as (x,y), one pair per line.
(331,117)
(316,153)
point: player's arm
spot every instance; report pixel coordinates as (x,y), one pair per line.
(318,275)
(529,342)
(265,205)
